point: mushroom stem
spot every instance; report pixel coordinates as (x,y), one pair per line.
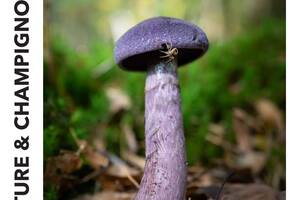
(165,170)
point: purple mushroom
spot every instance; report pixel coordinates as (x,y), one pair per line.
(159,46)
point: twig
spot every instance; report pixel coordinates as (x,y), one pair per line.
(223,184)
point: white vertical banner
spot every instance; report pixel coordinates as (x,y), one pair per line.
(21,107)
(293,99)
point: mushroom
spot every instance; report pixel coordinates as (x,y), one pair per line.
(159,46)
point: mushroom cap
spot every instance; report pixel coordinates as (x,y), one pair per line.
(140,45)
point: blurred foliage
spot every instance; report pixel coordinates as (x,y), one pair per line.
(75,98)
(82,22)
(254,62)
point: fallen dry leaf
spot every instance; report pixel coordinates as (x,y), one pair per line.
(202,180)
(134,159)
(66,162)
(242,130)
(119,100)
(217,129)
(95,158)
(107,195)
(271,116)
(119,175)
(130,138)
(269,113)
(237,192)
(216,136)
(120,169)
(254,160)
(249,192)
(59,168)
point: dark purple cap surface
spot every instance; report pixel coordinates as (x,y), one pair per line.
(140,45)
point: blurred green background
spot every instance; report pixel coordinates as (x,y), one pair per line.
(85,92)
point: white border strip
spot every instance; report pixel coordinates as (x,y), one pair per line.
(9,133)
(293,100)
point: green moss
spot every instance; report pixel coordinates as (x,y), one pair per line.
(50,193)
